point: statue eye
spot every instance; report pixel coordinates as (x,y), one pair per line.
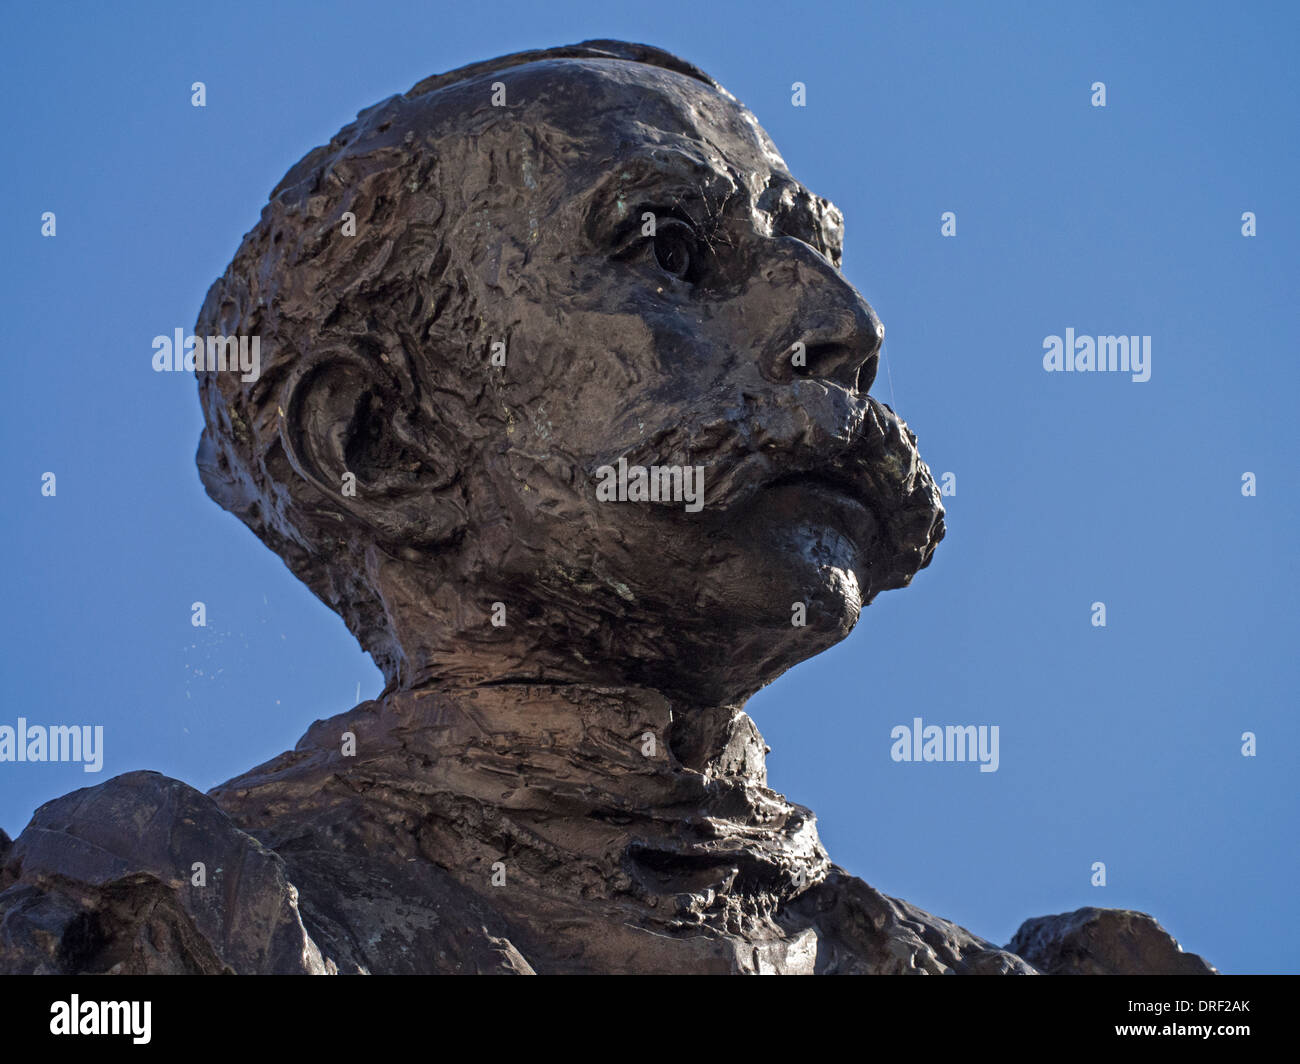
(676,249)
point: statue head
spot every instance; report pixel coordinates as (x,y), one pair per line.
(561,382)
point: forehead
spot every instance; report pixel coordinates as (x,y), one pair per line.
(618,110)
(574,132)
(632,128)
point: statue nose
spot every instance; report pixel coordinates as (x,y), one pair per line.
(846,352)
(830,332)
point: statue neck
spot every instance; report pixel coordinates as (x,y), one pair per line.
(671,806)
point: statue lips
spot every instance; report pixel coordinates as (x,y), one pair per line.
(832,499)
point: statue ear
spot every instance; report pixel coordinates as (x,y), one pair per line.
(357,436)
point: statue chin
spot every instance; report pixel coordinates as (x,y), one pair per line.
(771,615)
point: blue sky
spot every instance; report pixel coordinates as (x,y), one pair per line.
(1118,744)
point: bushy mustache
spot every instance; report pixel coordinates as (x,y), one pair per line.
(810,428)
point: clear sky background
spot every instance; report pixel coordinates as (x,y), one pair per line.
(1120,744)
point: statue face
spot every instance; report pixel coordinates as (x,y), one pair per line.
(655,267)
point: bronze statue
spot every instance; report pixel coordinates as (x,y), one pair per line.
(563,407)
